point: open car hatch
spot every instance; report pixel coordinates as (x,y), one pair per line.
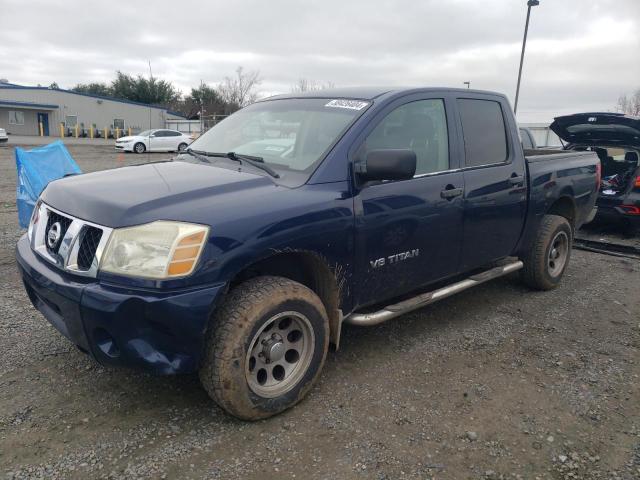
(598,129)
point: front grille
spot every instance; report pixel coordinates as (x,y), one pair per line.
(55,217)
(79,245)
(88,246)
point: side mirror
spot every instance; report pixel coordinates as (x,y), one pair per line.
(387,164)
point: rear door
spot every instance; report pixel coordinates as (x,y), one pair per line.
(173,139)
(408,232)
(495,199)
(161,141)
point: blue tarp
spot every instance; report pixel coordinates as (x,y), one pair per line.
(36,168)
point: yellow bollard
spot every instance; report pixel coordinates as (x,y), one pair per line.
(129,131)
(76,130)
(41,129)
(91,131)
(117,133)
(61,130)
(105,133)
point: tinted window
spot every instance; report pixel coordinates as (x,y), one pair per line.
(160,133)
(485,138)
(171,133)
(419,126)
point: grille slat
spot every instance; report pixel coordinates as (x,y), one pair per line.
(88,246)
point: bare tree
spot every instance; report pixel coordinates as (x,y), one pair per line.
(240,90)
(630,105)
(306,85)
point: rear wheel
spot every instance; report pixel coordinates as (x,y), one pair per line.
(265,347)
(549,256)
(182,147)
(139,147)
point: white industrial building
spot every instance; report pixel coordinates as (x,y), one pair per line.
(47,111)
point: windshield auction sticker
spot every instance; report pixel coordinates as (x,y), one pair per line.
(350,104)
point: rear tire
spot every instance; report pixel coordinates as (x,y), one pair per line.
(549,256)
(139,147)
(265,347)
(182,147)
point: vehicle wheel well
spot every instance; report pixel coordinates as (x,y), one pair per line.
(564,207)
(307,268)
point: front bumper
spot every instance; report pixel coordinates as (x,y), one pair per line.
(159,331)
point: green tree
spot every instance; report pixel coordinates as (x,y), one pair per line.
(144,90)
(203,100)
(95,88)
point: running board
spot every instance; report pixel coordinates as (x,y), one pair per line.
(392,311)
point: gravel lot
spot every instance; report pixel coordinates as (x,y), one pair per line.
(498,382)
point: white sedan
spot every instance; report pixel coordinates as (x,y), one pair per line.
(154,141)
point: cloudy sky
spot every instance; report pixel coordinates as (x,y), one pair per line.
(581,54)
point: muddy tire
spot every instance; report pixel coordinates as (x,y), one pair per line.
(265,347)
(549,256)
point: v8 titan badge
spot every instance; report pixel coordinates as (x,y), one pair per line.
(395,258)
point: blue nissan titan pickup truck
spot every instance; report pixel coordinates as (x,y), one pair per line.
(242,257)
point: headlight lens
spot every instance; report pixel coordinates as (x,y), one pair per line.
(35,216)
(156,250)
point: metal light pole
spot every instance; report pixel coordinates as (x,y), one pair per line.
(530,3)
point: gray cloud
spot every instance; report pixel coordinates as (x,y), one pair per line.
(581,55)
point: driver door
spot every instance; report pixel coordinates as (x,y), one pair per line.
(409,232)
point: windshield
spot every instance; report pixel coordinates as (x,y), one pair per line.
(289,134)
(146,133)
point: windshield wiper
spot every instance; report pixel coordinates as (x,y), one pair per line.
(199,155)
(257,162)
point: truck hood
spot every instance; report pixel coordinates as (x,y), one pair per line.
(156,191)
(598,129)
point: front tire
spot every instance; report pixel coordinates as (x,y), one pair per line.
(265,348)
(549,256)
(139,147)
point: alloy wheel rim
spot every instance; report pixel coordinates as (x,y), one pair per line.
(558,252)
(279,354)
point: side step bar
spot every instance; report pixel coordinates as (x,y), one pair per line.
(392,311)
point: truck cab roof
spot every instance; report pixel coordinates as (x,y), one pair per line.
(373,93)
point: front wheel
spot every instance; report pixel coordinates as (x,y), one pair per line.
(265,347)
(546,262)
(139,147)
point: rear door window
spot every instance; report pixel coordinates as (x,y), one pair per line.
(483,127)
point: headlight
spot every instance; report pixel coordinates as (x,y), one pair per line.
(35,216)
(155,250)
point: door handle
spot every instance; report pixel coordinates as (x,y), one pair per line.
(451,192)
(516,179)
